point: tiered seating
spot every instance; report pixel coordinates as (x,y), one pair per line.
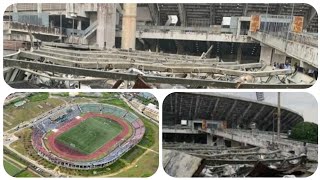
(119,112)
(130,117)
(107,109)
(90,108)
(45,125)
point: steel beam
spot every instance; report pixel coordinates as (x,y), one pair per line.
(132,77)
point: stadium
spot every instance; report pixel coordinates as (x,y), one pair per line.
(86,135)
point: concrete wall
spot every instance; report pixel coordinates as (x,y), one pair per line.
(194,36)
(266,54)
(80,8)
(303,52)
(263,140)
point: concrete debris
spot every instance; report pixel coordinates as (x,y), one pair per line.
(179,164)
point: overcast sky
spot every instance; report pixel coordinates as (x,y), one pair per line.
(301,102)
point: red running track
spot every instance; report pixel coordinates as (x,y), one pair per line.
(65,152)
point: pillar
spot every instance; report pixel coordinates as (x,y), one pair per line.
(157,46)
(209,140)
(266,54)
(128,39)
(180,48)
(220,141)
(239,54)
(79,25)
(238,28)
(106,28)
(39,7)
(14,8)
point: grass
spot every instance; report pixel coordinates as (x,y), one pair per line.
(90,134)
(131,155)
(11,169)
(25,135)
(144,167)
(16,170)
(26,173)
(41,96)
(62,94)
(14,116)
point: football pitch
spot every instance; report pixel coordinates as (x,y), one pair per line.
(90,134)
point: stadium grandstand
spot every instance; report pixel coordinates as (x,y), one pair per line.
(56,122)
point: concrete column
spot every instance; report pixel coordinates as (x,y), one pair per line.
(157,46)
(39,7)
(209,140)
(278,57)
(128,39)
(220,141)
(106,29)
(266,54)
(239,54)
(238,28)
(79,25)
(180,48)
(14,8)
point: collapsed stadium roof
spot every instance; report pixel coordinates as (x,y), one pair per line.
(218,107)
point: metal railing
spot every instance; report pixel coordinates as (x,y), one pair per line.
(281,26)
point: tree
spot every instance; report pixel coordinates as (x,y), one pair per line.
(305,131)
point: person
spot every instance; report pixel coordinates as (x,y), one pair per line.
(287,65)
(275,65)
(310,72)
(295,67)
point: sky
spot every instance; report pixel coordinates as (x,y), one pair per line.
(301,102)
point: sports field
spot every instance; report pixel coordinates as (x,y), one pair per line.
(90,134)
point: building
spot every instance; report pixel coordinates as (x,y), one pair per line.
(151,111)
(137,104)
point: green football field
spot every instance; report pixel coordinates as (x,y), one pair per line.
(90,135)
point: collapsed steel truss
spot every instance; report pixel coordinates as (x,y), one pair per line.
(190,71)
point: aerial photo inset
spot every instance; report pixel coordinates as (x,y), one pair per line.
(81,134)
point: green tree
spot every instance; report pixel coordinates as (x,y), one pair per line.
(305,131)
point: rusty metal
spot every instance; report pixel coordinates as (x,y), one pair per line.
(254,23)
(297,24)
(140,84)
(117,84)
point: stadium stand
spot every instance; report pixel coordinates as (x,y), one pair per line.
(45,125)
